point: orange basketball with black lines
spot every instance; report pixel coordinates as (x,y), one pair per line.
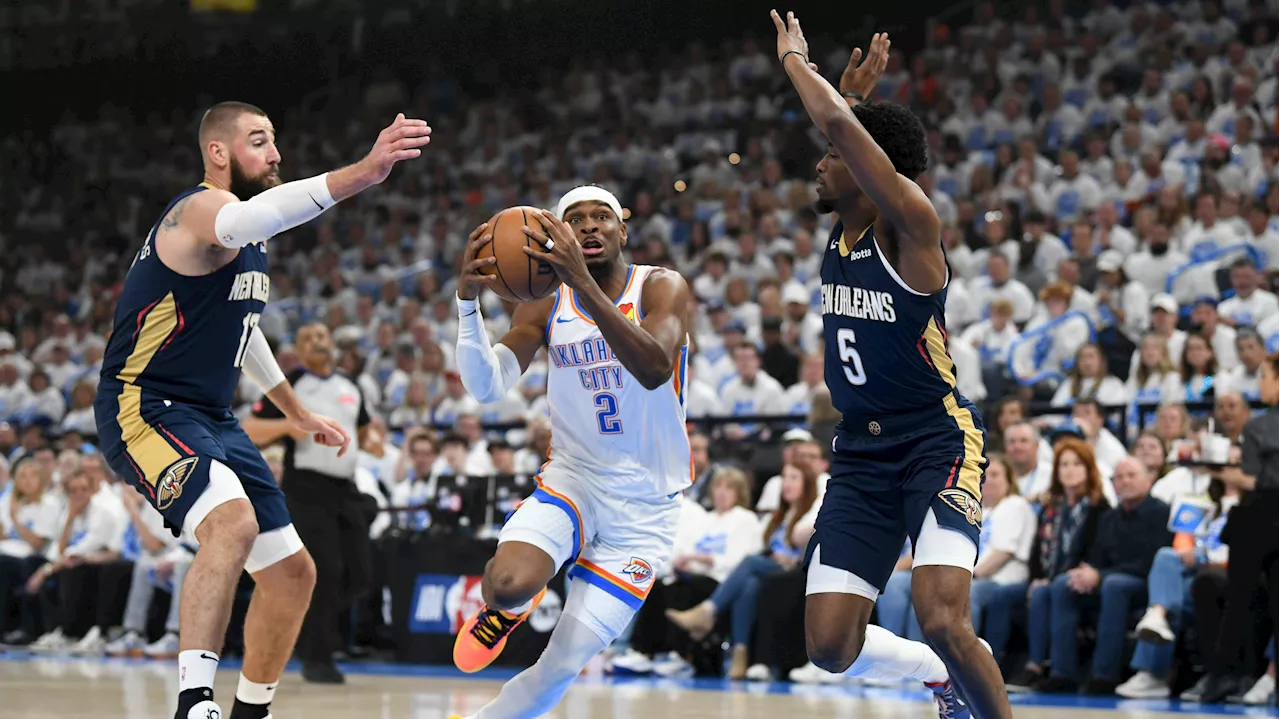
(521,278)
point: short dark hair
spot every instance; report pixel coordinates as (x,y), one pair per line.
(220,117)
(453,438)
(899,133)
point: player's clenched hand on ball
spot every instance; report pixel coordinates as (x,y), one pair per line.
(562,250)
(470,279)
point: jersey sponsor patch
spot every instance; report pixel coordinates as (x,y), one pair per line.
(169,488)
(639,570)
(964,503)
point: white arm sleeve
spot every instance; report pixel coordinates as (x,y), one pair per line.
(487,372)
(265,215)
(260,364)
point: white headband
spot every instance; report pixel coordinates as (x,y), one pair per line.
(588,193)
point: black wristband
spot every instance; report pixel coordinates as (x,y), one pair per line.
(783,59)
(854,96)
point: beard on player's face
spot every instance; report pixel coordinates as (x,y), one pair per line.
(245,187)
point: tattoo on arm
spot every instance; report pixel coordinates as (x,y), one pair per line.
(171,220)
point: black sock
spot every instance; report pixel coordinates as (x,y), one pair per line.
(249,711)
(191,697)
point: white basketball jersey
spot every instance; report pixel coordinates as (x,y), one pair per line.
(605,425)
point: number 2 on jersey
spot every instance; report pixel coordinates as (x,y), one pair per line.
(853,370)
(607,416)
(250,321)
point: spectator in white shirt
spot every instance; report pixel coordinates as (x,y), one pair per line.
(1089,379)
(1164,323)
(28,523)
(1071,194)
(801,328)
(44,402)
(1001,574)
(1223,119)
(751,392)
(1153,378)
(1151,265)
(1262,235)
(1029,474)
(1249,305)
(1204,320)
(800,394)
(1207,234)
(1058,125)
(997,284)
(1244,377)
(81,417)
(991,339)
(1062,337)
(1121,303)
(711,284)
(1197,369)
(727,534)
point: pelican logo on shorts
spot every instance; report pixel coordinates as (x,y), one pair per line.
(964,503)
(170,485)
(639,570)
(874,428)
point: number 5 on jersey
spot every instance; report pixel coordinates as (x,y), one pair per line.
(250,321)
(853,370)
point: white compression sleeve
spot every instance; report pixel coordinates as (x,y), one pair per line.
(260,364)
(487,372)
(271,212)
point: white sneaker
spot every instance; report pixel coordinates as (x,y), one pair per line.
(52,642)
(91,644)
(1261,691)
(128,644)
(759,673)
(811,673)
(205,710)
(1144,685)
(1154,627)
(631,662)
(673,666)
(165,647)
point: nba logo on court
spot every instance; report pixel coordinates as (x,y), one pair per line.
(639,570)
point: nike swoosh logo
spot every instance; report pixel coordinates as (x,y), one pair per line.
(318,205)
(210,657)
(472,312)
(562,320)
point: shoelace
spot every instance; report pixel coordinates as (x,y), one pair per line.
(945,709)
(491,627)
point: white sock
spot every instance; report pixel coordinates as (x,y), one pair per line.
(517,611)
(886,655)
(254,693)
(536,690)
(196,668)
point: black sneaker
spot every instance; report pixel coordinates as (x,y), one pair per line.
(1024,681)
(1096,687)
(1055,685)
(322,673)
(1221,687)
(17,638)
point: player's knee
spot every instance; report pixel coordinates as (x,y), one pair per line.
(298,573)
(508,584)
(232,524)
(944,624)
(833,654)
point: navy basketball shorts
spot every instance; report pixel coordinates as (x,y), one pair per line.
(174,453)
(886,474)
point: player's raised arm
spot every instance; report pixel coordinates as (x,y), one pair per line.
(900,200)
(489,372)
(245,211)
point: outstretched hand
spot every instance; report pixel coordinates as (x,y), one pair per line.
(398,141)
(861,75)
(791,38)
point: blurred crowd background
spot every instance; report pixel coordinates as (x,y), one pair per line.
(1106,173)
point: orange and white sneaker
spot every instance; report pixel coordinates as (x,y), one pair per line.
(483,636)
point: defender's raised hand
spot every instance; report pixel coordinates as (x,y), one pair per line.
(470,279)
(861,75)
(790,38)
(398,141)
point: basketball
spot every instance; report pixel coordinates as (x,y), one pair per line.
(521,278)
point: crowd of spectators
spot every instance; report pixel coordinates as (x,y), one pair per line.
(1107,182)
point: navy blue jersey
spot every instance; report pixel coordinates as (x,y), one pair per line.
(886,344)
(183,338)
